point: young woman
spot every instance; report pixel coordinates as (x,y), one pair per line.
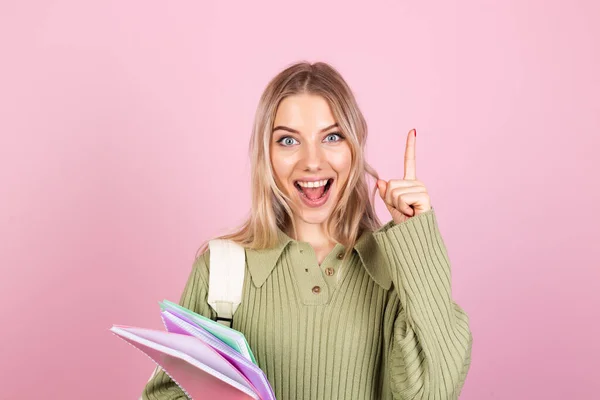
(335,305)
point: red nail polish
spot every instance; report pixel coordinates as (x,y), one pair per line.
(415,132)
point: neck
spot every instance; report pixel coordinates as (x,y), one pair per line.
(313,234)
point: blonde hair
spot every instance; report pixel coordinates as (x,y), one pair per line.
(354,212)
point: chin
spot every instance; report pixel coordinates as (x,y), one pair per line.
(315,217)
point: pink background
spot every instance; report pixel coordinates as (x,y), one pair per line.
(125,126)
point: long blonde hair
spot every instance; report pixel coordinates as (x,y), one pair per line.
(355,211)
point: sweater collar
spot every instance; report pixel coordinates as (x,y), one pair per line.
(262,262)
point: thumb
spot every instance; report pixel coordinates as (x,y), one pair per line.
(381,185)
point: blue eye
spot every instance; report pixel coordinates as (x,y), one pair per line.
(335,134)
(284,138)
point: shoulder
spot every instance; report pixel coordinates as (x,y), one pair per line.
(201,265)
(225,255)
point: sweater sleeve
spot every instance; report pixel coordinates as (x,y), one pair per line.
(430,351)
(194,297)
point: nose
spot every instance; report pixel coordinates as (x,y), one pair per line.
(312,158)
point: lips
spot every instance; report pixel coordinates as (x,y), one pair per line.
(327,185)
(316,203)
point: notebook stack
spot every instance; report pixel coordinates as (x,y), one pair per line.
(206,359)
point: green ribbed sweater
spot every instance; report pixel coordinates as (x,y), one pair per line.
(388,329)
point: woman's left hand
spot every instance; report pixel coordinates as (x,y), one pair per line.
(408,197)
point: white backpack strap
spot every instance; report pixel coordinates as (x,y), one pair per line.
(226,278)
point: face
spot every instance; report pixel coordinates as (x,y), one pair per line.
(308,148)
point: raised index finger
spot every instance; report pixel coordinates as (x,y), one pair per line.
(410,163)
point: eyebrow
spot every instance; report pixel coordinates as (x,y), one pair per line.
(285,128)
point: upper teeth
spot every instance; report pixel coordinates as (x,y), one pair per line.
(313,184)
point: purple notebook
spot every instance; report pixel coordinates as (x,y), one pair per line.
(199,370)
(251,371)
(202,364)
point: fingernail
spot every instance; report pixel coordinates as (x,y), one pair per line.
(415,132)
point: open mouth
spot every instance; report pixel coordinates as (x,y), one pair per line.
(314,193)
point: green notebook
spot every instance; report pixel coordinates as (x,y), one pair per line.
(234,339)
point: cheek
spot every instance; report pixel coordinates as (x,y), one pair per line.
(282,166)
(342,161)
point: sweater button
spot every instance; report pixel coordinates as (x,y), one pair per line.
(329,271)
(340,256)
(316,289)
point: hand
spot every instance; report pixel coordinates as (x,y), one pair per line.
(408,197)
